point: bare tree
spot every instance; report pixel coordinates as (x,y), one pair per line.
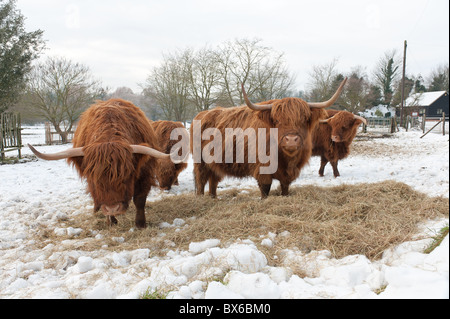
(322,79)
(272,79)
(141,100)
(190,81)
(356,94)
(125,93)
(203,74)
(261,69)
(60,90)
(168,85)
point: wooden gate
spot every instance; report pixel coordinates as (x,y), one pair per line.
(10,134)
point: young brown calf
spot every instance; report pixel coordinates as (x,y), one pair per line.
(333,136)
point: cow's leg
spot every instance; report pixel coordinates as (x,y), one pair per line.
(141,190)
(265,190)
(213,182)
(264,183)
(139,202)
(284,189)
(335,168)
(201,177)
(323,163)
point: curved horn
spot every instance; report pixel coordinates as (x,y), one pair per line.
(140,149)
(71,152)
(145,150)
(357,117)
(326,120)
(330,102)
(254,107)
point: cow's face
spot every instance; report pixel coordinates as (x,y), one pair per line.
(294,120)
(344,126)
(110,173)
(167,174)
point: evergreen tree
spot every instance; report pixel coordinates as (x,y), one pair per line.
(386,74)
(439,79)
(18,49)
(374,97)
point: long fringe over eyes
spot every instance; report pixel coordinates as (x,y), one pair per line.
(108,163)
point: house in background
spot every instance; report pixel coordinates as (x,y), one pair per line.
(432,104)
(378,111)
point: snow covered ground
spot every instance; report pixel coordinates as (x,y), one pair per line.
(39,194)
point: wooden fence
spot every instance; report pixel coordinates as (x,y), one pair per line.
(442,120)
(10,134)
(52,137)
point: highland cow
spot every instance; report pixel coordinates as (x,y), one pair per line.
(168,171)
(333,136)
(115,150)
(292,119)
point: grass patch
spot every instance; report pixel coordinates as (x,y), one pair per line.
(154,295)
(437,240)
(348,219)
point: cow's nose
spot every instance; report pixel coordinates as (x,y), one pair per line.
(336,138)
(291,141)
(111,210)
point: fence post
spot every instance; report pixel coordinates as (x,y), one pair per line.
(443,123)
(48,134)
(424,120)
(393,125)
(432,128)
(19,134)
(1,139)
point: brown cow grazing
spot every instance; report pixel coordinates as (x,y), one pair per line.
(333,136)
(294,120)
(115,150)
(167,172)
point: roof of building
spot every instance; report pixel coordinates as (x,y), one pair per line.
(423,99)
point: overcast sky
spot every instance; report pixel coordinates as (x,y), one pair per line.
(121,41)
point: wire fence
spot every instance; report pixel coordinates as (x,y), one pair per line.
(379,125)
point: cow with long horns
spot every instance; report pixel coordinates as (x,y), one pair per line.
(291,119)
(333,136)
(114,149)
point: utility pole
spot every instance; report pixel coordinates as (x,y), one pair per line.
(403,84)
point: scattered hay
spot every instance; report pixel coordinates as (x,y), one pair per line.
(348,219)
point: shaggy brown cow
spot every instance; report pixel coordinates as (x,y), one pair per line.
(333,136)
(167,172)
(114,149)
(295,120)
